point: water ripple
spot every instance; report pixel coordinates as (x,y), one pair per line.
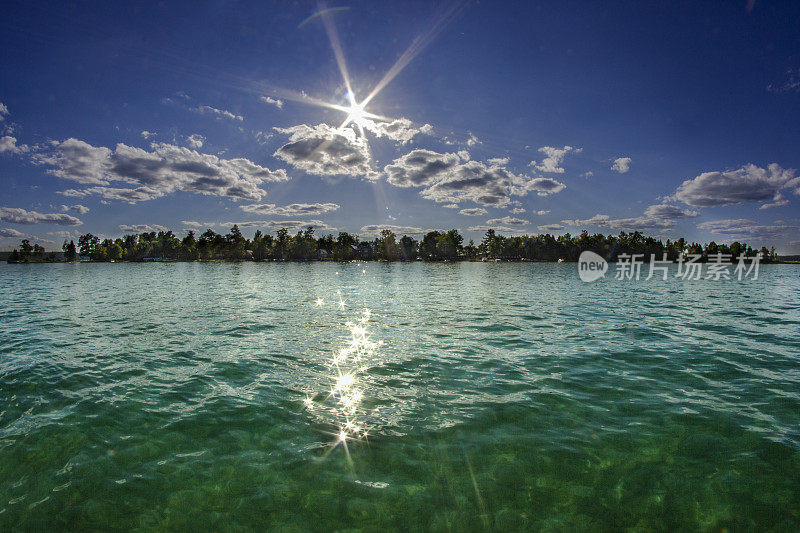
(505,396)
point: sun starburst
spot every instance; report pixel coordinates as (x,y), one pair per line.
(356,112)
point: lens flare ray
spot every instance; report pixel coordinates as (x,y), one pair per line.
(417,45)
(336,44)
(356,113)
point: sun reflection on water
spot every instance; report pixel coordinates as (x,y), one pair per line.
(342,405)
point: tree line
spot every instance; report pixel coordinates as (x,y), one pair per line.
(434,246)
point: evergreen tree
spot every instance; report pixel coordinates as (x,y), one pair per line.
(69,250)
(25,251)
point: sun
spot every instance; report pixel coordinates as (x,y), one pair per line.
(357,114)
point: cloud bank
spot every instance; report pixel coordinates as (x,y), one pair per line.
(447,178)
(747,184)
(323,150)
(16,215)
(741,228)
(163,169)
(291,210)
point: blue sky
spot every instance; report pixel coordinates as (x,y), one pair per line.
(677,119)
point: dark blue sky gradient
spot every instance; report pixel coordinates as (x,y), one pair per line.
(679,87)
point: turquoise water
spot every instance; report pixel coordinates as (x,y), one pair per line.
(504,397)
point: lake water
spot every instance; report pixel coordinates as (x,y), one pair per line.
(504,396)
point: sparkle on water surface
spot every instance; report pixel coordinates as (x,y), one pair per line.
(342,404)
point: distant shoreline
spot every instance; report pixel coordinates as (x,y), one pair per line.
(434,246)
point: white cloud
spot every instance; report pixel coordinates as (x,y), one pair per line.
(291,210)
(401,129)
(141,228)
(8,233)
(666,211)
(77,208)
(140,194)
(420,168)
(497,229)
(3,111)
(15,215)
(542,212)
(621,165)
(553,158)
(64,234)
(473,211)
(183,100)
(597,220)
(192,224)
(551,227)
(147,134)
(792,83)
(262,137)
(9,144)
(195,141)
(498,161)
(446,179)
(219,113)
(374,230)
(516,211)
(476,182)
(777,201)
(639,224)
(292,226)
(326,151)
(741,228)
(272,101)
(72,193)
(472,140)
(747,184)
(162,170)
(451,206)
(508,221)
(588,174)
(545,186)
(655,217)
(77,161)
